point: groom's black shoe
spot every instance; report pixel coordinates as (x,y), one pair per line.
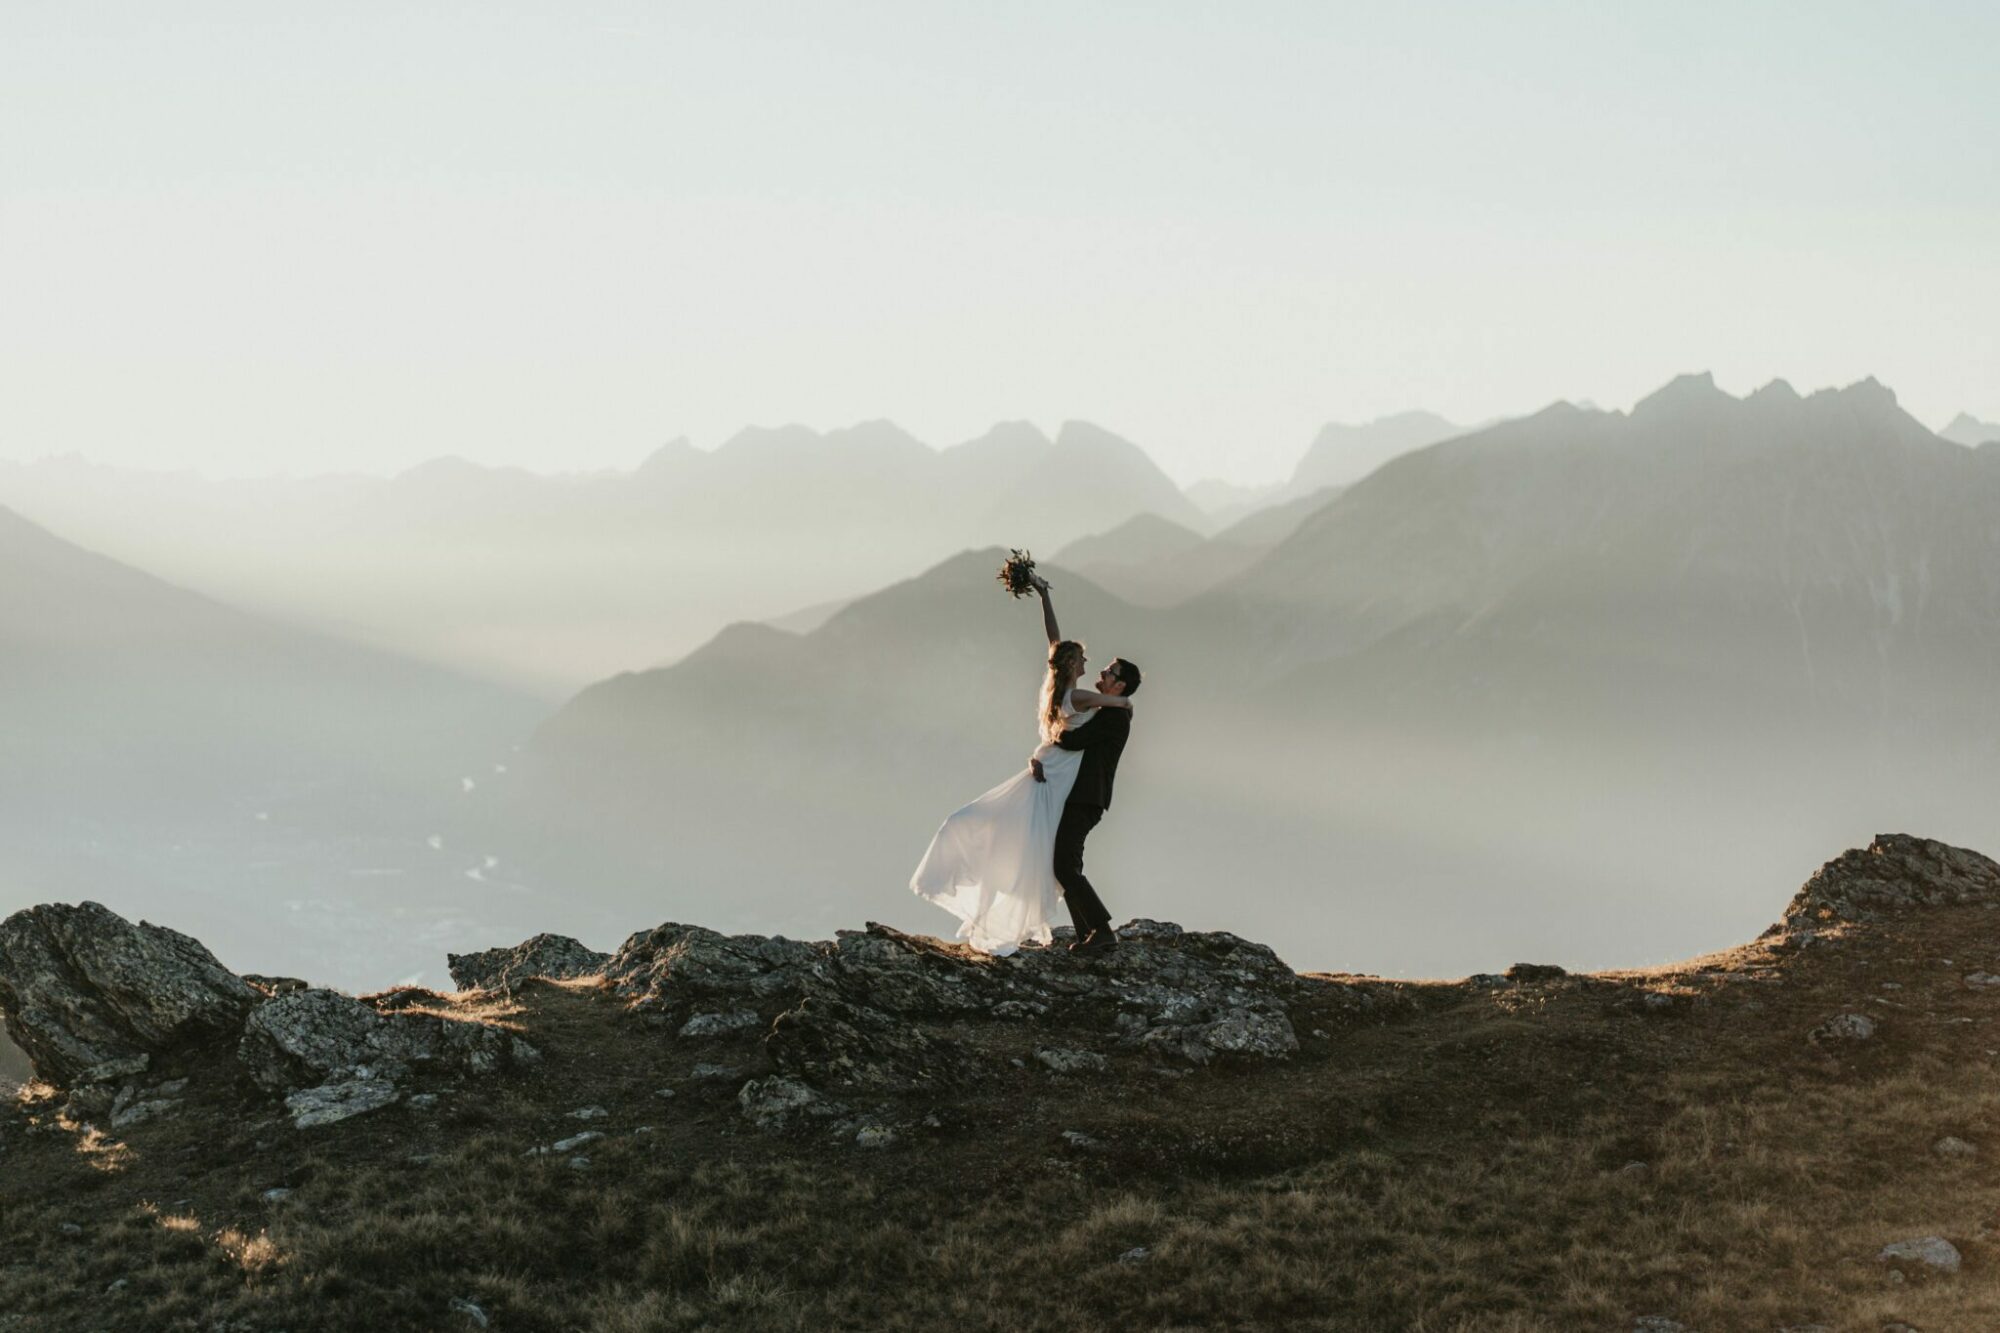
(1102,940)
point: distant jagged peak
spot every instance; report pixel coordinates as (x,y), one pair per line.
(1867,408)
(1143,538)
(673,455)
(1563,409)
(742,638)
(1007,435)
(876,435)
(1693,391)
(1088,435)
(755,439)
(1695,397)
(1413,422)
(1865,394)
(1342,454)
(445,467)
(1970,430)
(72,463)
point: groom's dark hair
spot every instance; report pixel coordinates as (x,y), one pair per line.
(1127,673)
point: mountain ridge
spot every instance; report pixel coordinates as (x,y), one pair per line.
(1758,595)
(1185,1127)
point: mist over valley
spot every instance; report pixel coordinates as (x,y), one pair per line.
(1572,685)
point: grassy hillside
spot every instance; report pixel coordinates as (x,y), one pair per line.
(1548,1152)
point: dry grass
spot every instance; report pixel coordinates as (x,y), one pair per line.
(1463,1165)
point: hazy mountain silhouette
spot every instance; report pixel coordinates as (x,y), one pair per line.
(1138,559)
(128,683)
(557,580)
(1152,562)
(1342,454)
(1339,455)
(1224,502)
(1521,659)
(162,749)
(1968,429)
(1686,532)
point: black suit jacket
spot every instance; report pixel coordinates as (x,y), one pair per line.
(1102,740)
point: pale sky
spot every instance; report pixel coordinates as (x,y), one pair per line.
(257,237)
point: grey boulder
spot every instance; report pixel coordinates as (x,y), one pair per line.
(90,997)
(556,957)
(777,1104)
(333,1102)
(314,1035)
(1933,1253)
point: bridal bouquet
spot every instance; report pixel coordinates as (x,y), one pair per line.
(1017,575)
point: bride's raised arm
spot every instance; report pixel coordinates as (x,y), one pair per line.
(1048,609)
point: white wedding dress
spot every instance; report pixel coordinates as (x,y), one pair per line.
(992,863)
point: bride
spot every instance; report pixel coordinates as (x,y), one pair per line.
(992,863)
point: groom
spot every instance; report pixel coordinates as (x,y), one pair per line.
(1101,742)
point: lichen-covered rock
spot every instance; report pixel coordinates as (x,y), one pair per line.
(831,1041)
(1249,1032)
(312,1036)
(677,960)
(1061,1060)
(1844,1028)
(568,1145)
(865,1008)
(556,957)
(720,1025)
(777,1104)
(333,1102)
(136,1112)
(1894,873)
(91,997)
(1931,1253)
(300,1038)
(1244,1033)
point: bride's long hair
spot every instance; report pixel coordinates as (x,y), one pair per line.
(1065,664)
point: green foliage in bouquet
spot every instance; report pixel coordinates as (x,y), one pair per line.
(1017,575)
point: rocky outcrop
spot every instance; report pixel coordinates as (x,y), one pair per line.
(340,1100)
(92,998)
(128,1105)
(330,1044)
(778,1104)
(555,957)
(681,962)
(830,1041)
(822,1035)
(1894,873)
(333,1055)
(879,1011)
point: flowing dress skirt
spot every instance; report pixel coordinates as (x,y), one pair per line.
(992,863)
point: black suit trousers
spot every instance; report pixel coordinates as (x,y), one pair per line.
(1086,910)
